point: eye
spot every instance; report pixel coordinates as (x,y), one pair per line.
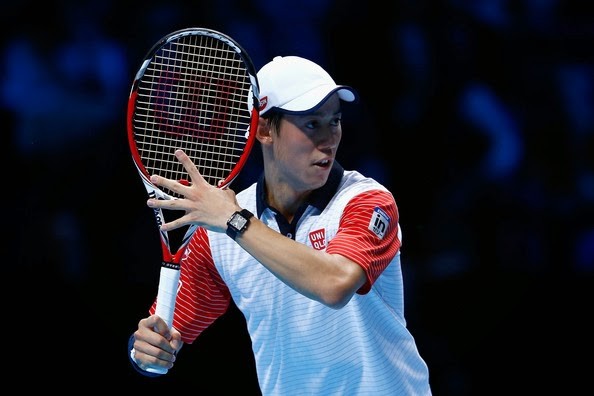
(313,124)
(336,121)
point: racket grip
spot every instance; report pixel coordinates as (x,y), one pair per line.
(168,286)
(160,370)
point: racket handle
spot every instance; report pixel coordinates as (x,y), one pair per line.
(168,286)
(159,370)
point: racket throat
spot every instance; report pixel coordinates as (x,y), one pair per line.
(170,265)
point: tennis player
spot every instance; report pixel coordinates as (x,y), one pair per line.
(310,254)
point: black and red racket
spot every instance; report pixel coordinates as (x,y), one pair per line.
(196,90)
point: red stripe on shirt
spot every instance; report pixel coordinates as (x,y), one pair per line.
(203,296)
(355,241)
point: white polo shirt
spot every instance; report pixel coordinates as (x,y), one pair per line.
(302,347)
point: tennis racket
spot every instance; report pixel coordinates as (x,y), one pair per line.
(196,90)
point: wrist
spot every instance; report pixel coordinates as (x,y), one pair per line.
(238,223)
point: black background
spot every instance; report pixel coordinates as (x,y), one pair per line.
(477,116)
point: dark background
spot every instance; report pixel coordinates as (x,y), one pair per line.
(478,115)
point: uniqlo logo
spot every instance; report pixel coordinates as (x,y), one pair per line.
(318,239)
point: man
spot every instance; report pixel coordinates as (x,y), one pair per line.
(310,254)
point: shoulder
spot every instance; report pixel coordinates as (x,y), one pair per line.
(356,180)
(355,186)
(364,196)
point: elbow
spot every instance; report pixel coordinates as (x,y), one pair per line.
(339,294)
(336,291)
(337,302)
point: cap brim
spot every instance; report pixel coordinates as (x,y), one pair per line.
(316,97)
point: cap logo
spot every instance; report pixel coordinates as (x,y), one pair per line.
(263,103)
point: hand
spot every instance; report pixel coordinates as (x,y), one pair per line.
(155,344)
(205,205)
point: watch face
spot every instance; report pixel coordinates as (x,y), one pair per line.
(238,221)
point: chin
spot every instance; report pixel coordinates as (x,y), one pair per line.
(320,179)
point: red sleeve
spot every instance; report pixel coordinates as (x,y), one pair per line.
(368,233)
(202,296)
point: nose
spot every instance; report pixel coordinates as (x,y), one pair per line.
(328,139)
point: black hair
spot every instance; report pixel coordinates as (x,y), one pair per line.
(274,117)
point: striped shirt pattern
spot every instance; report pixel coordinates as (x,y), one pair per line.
(300,345)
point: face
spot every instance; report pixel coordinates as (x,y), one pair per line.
(305,147)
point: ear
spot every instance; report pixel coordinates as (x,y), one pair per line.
(263,132)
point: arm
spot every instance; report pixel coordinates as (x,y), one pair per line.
(203,297)
(330,278)
(352,261)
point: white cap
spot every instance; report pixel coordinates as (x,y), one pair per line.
(296,85)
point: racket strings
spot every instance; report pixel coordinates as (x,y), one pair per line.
(194,95)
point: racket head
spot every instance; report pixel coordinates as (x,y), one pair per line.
(196,90)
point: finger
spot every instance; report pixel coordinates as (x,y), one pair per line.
(152,336)
(161,327)
(174,224)
(149,322)
(189,166)
(171,204)
(156,323)
(149,356)
(176,341)
(172,185)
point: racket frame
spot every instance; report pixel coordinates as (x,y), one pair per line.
(170,265)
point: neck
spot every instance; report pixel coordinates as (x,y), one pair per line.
(282,197)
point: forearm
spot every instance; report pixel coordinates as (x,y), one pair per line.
(327,278)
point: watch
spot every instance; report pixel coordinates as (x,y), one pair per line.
(238,222)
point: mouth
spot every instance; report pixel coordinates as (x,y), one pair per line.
(323,163)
